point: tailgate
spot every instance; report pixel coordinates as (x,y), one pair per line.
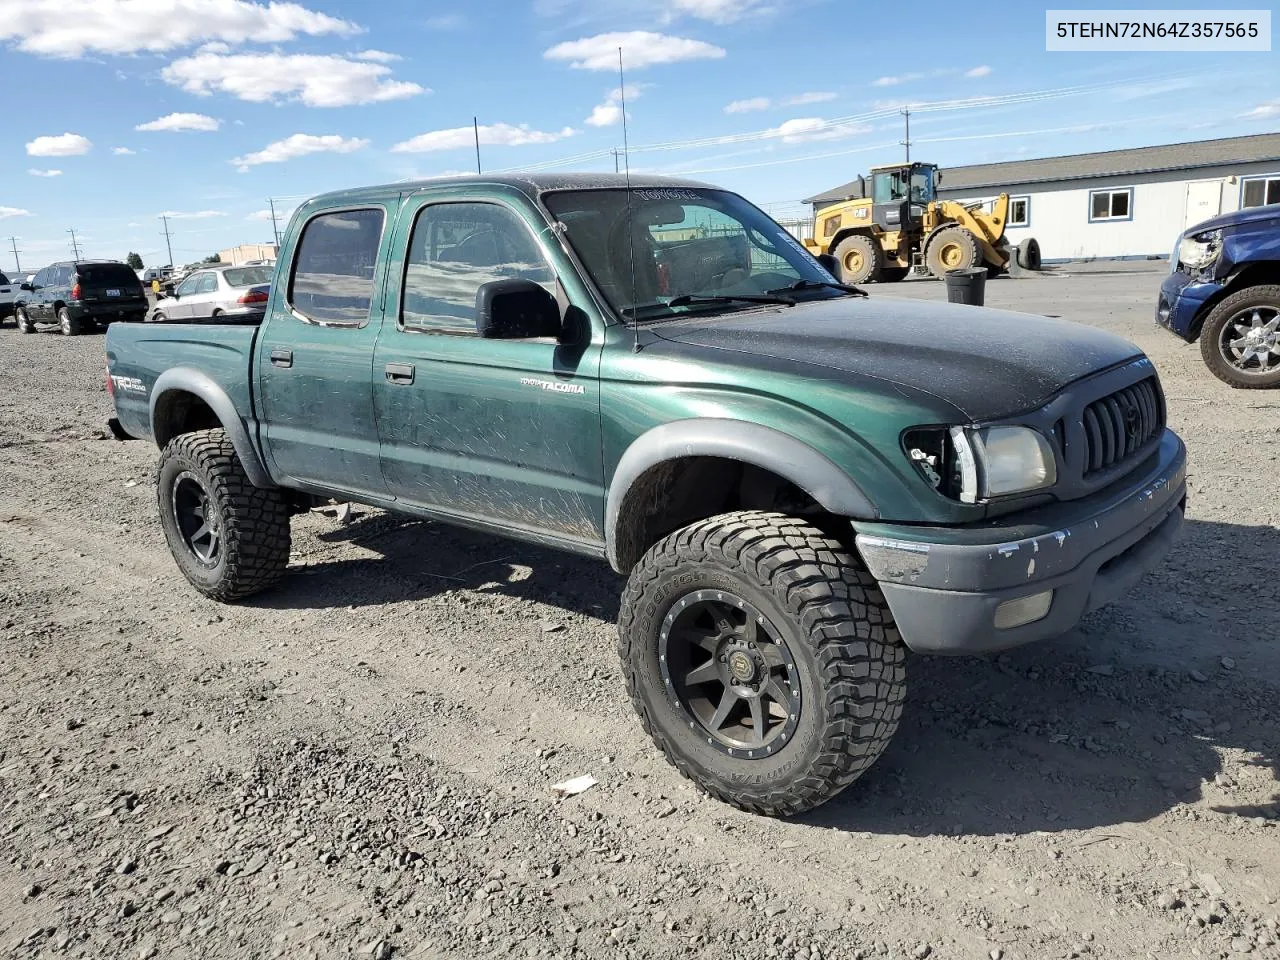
(109,283)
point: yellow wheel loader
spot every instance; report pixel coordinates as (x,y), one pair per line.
(896,224)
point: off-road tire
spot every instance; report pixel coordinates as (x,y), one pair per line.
(69,326)
(23,321)
(1028,254)
(1262,295)
(836,624)
(969,253)
(872,259)
(253,522)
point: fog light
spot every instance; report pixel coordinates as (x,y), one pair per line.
(1024,610)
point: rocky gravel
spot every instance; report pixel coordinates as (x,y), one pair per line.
(360,763)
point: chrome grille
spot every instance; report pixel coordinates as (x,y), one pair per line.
(1119,425)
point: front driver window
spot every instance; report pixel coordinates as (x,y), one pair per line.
(457,247)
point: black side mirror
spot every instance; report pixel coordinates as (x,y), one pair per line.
(25,286)
(830,264)
(516,309)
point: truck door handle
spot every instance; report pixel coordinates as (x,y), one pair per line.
(399,372)
(282,358)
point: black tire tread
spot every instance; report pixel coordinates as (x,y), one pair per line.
(842,612)
(255,522)
(1211,331)
(957,232)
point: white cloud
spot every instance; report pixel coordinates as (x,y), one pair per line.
(299,145)
(44,173)
(329,80)
(282,214)
(812,96)
(894,81)
(447,21)
(609,113)
(981,71)
(640,48)
(498,135)
(192,215)
(122,151)
(63,145)
(181,121)
(720,11)
(377,56)
(1263,111)
(765,103)
(74,28)
(806,129)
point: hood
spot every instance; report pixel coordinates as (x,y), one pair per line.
(986,363)
(1239,217)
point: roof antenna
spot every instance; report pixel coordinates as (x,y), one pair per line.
(631,232)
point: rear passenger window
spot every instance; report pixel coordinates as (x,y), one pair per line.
(332,278)
(455,248)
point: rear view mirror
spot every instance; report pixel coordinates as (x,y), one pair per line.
(25,286)
(516,309)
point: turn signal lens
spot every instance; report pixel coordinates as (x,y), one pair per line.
(1024,610)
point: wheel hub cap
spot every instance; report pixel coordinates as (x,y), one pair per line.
(1251,340)
(729,673)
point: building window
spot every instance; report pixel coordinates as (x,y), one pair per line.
(1260,191)
(1019,212)
(1110,205)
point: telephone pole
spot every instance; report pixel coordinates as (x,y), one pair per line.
(616,154)
(475,128)
(274,229)
(75,247)
(17,264)
(167,242)
(906,118)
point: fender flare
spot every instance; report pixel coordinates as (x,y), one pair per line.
(188,380)
(739,440)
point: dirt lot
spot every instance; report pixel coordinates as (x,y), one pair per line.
(359,763)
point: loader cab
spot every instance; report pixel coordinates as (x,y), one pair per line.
(900,194)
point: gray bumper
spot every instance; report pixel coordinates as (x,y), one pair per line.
(944,585)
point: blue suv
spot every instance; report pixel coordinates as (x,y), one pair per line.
(1224,289)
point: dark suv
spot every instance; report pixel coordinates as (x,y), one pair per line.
(79,295)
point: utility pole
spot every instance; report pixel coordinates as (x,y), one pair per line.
(475,127)
(17,264)
(75,247)
(274,229)
(906,117)
(614,151)
(167,242)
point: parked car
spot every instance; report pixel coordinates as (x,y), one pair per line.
(80,294)
(8,293)
(799,481)
(218,293)
(1224,290)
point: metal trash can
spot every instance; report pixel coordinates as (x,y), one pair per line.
(967,286)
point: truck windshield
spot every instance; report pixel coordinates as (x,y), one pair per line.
(680,242)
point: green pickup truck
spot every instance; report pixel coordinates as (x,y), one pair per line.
(799,482)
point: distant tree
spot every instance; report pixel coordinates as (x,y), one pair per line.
(134,261)
(212,258)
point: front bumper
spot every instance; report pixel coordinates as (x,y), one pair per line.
(944,585)
(1181,302)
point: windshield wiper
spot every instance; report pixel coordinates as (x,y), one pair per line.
(688,299)
(815,284)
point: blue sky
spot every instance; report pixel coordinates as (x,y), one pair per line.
(121,110)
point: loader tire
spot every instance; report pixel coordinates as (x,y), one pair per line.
(1029,254)
(763,660)
(952,248)
(861,259)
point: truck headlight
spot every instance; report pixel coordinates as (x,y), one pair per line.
(1201,250)
(997,461)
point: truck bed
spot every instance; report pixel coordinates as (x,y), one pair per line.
(138,353)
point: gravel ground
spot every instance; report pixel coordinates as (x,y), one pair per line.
(359,763)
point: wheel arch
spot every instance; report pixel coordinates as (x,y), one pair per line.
(1241,277)
(655,461)
(184,400)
